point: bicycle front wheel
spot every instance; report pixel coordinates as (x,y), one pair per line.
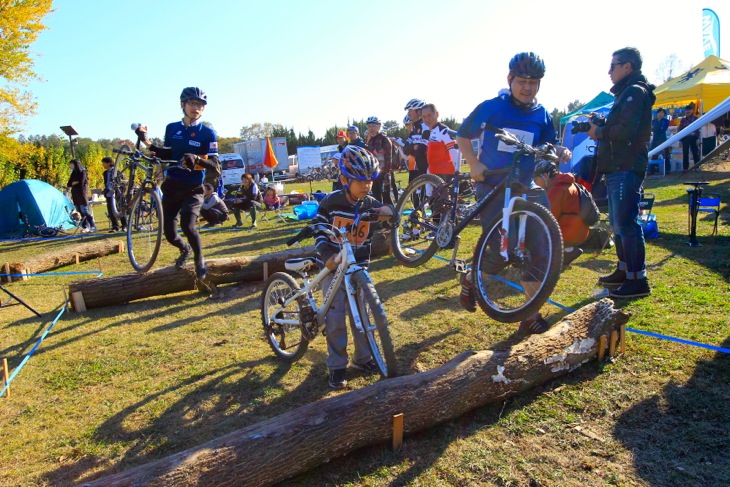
(513,289)
(375,324)
(418,209)
(144,229)
(283,324)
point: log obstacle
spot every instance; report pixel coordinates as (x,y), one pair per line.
(107,291)
(292,443)
(65,256)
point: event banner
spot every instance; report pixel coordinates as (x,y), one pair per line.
(710,32)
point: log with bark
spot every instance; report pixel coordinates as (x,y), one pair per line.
(79,252)
(292,443)
(107,291)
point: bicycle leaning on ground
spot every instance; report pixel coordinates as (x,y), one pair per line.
(521,245)
(290,314)
(142,205)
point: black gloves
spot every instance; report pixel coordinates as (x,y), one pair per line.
(188,161)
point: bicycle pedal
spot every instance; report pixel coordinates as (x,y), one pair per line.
(460,266)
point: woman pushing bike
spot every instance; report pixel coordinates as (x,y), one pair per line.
(518,112)
(194,147)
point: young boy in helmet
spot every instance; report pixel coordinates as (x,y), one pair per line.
(358,170)
(194,148)
(518,112)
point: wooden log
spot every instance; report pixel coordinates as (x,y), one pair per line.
(107,291)
(6,271)
(65,256)
(318,432)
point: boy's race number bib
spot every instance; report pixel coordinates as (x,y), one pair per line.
(356,235)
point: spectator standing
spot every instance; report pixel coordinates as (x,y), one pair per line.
(689,142)
(623,158)
(416,144)
(442,154)
(342,141)
(517,111)
(353,133)
(213,210)
(708,132)
(381,147)
(110,195)
(78,186)
(194,149)
(659,127)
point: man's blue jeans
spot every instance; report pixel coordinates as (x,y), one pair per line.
(624,190)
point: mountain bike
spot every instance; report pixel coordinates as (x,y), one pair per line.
(142,205)
(521,245)
(292,318)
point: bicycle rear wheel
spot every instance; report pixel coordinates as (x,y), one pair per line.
(144,229)
(375,324)
(510,291)
(412,240)
(283,325)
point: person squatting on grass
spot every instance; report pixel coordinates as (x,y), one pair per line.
(246,197)
(623,157)
(78,186)
(109,194)
(358,170)
(213,210)
(194,149)
(518,112)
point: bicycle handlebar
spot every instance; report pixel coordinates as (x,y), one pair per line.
(544,151)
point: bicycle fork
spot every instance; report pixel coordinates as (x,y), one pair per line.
(504,231)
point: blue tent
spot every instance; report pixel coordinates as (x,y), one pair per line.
(602,104)
(40,202)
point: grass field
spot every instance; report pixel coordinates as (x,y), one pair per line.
(121,386)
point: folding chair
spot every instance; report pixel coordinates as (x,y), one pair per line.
(646,203)
(710,203)
(278,215)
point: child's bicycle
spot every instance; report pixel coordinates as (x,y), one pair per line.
(290,314)
(517,260)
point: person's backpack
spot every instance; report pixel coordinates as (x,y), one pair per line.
(588,212)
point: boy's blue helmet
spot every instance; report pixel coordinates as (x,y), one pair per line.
(193,93)
(527,65)
(358,163)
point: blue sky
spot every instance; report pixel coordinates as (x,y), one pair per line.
(312,65)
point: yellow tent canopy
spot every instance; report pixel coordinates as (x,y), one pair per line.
(708,82)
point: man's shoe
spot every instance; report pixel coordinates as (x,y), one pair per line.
(253,225)
(238,225)
(569,257)
(338,378)
(615,279)
(467,298)
(632,288)
(183,258)
(369,367)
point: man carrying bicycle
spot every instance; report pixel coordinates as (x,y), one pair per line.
(518,112)
(194,148)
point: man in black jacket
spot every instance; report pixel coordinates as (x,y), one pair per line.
(623,157)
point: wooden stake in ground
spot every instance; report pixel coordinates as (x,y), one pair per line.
(6,377)
(284,446)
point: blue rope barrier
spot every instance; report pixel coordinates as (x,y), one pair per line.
(633,330)
(32,350)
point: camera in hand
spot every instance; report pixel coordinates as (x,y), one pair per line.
(598,120)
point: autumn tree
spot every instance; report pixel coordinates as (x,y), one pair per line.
(670,67)
(20,23)
(259,130)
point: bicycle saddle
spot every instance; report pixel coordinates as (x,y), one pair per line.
(303,264)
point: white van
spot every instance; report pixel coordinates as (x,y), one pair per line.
(232,168)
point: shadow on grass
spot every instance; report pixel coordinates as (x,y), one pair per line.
(681,437)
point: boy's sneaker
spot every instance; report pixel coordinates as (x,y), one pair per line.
(183,258)
(201,270)
(632,288)
(569,257)
(615,279)
(467,298)
(338,378)
(369,367)
(253,225)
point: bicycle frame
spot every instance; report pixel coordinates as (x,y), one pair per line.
(345,269)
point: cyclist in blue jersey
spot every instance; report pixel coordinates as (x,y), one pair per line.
(518,112)
(194,147)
